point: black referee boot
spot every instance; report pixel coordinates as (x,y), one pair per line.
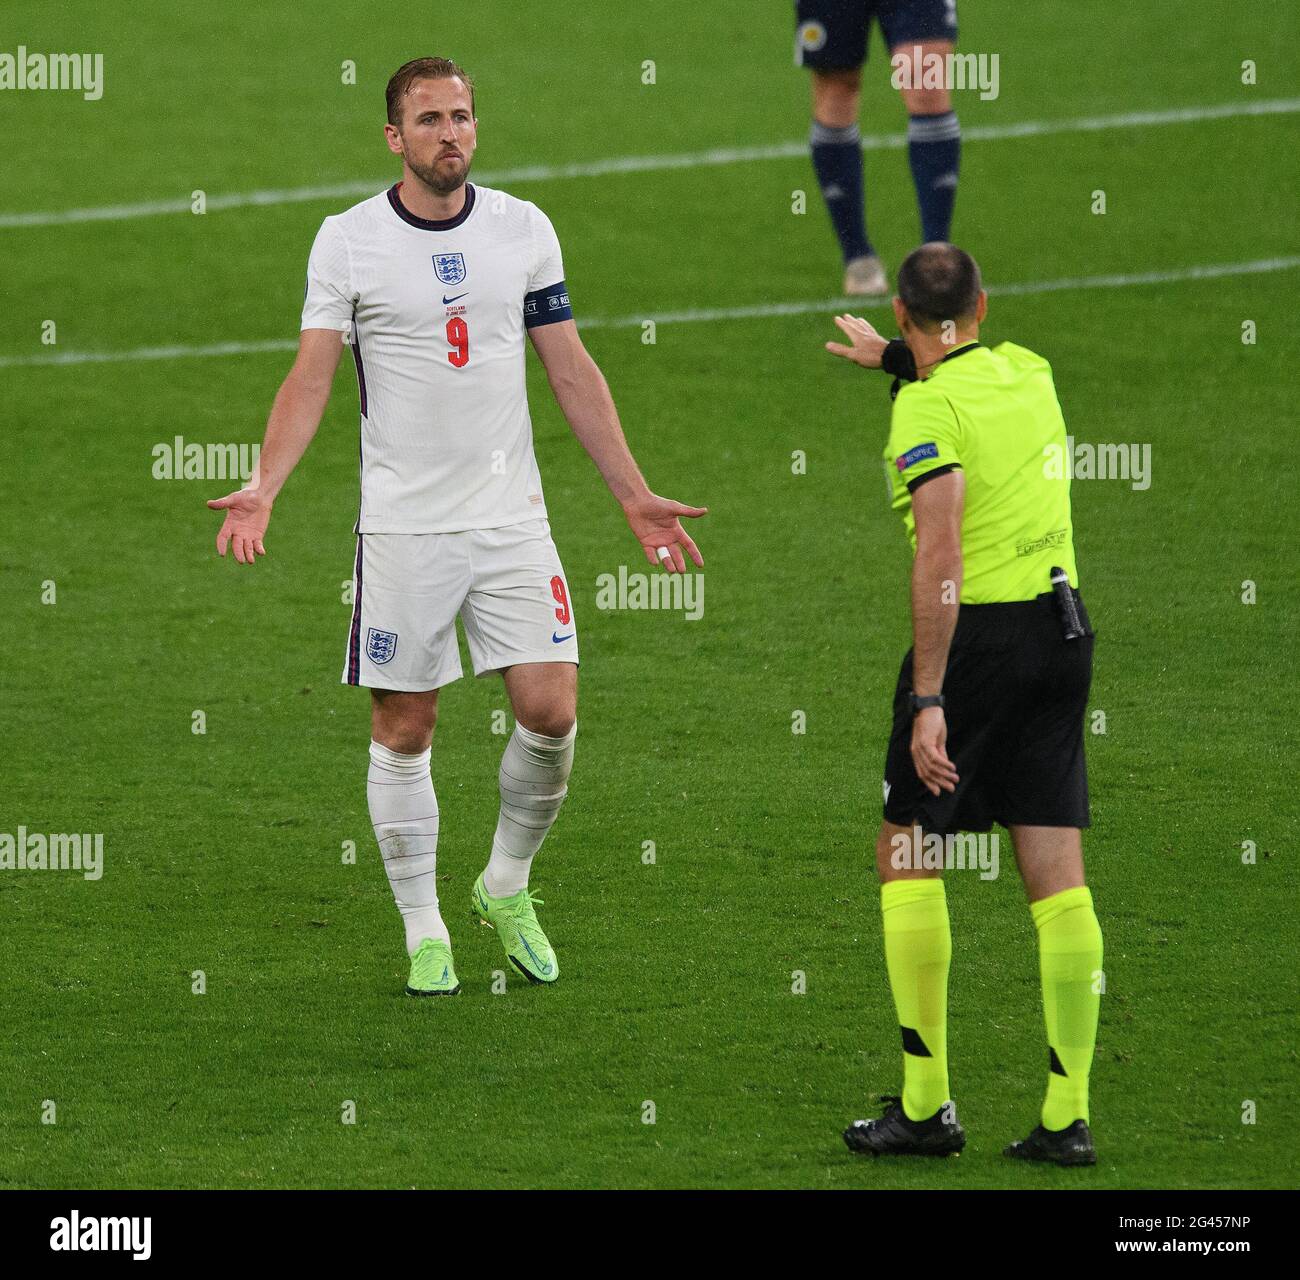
(1072,1146)
(895,1134)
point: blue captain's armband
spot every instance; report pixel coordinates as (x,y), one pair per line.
(547,306)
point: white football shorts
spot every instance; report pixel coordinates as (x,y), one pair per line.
(507,585)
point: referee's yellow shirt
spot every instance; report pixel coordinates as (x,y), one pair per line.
(993,413)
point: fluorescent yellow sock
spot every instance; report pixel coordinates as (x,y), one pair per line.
(1069,951)
(918,949)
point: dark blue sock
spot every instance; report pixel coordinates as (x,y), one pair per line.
(837,161)
(934,149)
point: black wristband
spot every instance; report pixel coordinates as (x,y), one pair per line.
(897,359)
(929,700)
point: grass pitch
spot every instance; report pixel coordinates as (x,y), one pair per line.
(224,851)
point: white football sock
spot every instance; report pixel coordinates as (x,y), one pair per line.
(404,812)
(534,781)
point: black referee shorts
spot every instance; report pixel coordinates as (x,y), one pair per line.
(1016,692)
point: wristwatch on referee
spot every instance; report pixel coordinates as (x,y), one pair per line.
(930,700)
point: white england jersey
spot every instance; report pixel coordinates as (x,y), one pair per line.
(436,314)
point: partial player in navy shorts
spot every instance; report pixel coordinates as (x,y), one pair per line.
(832,34)
(831,38)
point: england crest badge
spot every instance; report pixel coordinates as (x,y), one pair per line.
(449,267)
(381,646)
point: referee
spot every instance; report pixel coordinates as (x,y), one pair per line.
(990,702)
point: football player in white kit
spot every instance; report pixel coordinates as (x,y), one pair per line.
(434,283)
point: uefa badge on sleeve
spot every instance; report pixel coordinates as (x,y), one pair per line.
(381,646)
(449,267)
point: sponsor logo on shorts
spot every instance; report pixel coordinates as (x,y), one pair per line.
(558,639)
(919,454)
(812,36)
(449,267)
(381,646)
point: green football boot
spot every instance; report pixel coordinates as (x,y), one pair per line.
(516,924)
(431,971)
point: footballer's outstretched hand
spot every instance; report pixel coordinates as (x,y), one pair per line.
(247,515)
(865,344)
(657,524)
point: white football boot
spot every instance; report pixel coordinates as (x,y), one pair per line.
(865,278)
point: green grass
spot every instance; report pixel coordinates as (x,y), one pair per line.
(223,851)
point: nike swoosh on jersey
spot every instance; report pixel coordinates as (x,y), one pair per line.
(446,301)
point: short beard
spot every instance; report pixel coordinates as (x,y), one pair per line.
(437,182)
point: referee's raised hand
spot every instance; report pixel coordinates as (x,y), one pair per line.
(930,751)
(865,345)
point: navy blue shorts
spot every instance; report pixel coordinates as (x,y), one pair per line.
(831,35)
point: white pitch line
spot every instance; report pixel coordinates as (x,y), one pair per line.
(1013,289)
(652,164)
(150,353)
(759,311)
